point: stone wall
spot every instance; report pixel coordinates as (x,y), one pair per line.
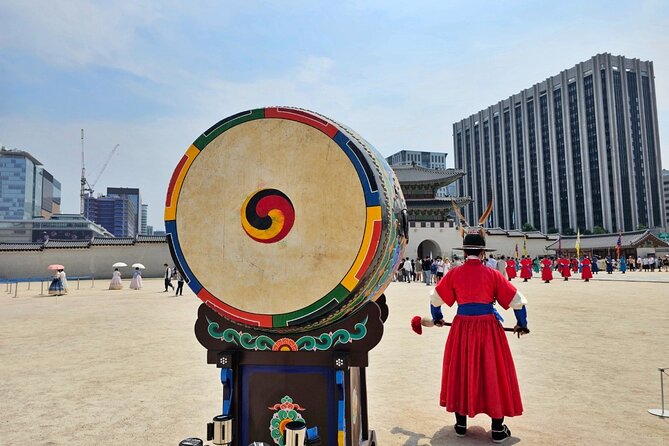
(94,261)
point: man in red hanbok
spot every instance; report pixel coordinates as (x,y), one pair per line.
(526,268)
(565,269)
(574,264)
(478,374)
(586,272)
(511,268)
(546,270)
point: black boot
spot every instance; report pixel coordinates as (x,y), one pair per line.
(460,425)
(499,430)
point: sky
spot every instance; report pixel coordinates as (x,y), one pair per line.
(151,76)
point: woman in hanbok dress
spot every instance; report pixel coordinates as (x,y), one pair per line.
(56,285)
(116,283)
(536,265)
(623,265)
(63,280)
(136,282)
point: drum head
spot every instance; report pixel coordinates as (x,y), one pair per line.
(273,219)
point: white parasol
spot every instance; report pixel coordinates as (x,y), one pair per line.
(119,265)
(138,265)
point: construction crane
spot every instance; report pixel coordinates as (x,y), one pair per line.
(86,187)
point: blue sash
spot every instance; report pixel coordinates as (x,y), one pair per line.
(476,309)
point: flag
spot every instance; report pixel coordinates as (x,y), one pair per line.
(516,249)
(578,243)
(525,246)
(619,245)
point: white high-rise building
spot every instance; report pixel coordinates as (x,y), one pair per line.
(578,150)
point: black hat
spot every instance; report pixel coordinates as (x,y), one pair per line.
(474,242)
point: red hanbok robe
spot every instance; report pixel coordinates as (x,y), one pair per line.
(546,270)
(574,265)
(526,268)
(586,269)
(511,268)
(564,267)
(478,374)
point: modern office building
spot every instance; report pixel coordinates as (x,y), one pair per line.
(665,188)
(58,227)
(145,218)
(117,214)
(133,195)
(428,160)
(578,150)
(27,189)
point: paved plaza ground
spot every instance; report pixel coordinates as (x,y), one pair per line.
(123,367)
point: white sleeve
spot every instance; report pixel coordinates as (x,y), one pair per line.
(435,299)
(518,301)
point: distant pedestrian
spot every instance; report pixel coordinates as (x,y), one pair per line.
(56,285)
(426,265)
(168,277)
(623,265)
(406,270)
(586,272)
(63,280)
(136,282)
(116,282)
(180,284)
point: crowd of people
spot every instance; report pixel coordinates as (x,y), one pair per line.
(430,271)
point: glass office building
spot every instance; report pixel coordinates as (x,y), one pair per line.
(27,190)
(578,150)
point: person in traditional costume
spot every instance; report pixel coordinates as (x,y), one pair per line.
(609,265)
(511,268)
(546,271)
(136,282)
(565,270)
(479,375)
(526,268)
(63,280)
(586,272)
(595,266)
(56,285)
(574,264)
(536,265)
(116,282)
(623,265)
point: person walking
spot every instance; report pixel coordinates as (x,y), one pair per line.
(167,277)
(116,282)
(180,283)
(586,272)
(407,270)
(511,268)
(546,270)
(63,280)
(427,270)
(501,265)
(478,372)
(136,282)
(56,285)
(526,268)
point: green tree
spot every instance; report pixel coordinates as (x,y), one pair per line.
(528,228)
(569,231)
(599,230)
(552,231)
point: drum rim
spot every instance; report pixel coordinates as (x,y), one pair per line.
(340,296)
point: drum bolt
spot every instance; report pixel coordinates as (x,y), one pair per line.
(219,431)
(295,433)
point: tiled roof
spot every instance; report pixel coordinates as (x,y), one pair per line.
(416,174)
(627,239)
(67,244)
(112,241)
(151,238)
(438,202)
(20,246)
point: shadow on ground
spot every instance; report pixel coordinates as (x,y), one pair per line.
(446,435)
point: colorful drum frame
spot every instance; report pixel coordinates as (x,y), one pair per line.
(380,250)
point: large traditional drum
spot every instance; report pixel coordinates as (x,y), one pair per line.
(284,220)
